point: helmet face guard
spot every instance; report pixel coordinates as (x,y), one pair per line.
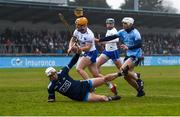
(110,23)
(81,28)
(109,26)
(49,71)
(127,22)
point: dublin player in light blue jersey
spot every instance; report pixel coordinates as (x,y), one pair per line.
(132,43)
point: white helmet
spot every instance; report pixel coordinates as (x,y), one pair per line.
(128,20)
(49,71)
(110,20)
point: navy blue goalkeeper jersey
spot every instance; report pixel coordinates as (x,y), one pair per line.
(74,89)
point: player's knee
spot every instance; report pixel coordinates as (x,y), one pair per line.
(106,78)
(98,67)
(124,70)
(95,75)
(79,70)
(97,64)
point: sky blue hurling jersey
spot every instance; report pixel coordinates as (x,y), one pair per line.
(130,39)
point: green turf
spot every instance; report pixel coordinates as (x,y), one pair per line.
(23,92)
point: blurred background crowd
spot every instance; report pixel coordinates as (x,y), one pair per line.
(43,41)
(33,26)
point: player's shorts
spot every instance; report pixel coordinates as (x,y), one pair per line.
(90,87)
(136,60)
(113,55)
(92,55)
(80,90)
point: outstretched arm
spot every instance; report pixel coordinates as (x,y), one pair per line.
(109,38)
(71,63)
(51,92)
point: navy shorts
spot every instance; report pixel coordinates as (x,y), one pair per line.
(136,60)
(87,86)
(88,91)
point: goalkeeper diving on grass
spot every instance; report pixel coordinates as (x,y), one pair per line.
(79,90)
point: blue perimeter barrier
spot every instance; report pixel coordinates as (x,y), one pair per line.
(46,61)
(32,61)
(161,60)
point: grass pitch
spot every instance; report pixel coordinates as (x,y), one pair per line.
(24,92)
